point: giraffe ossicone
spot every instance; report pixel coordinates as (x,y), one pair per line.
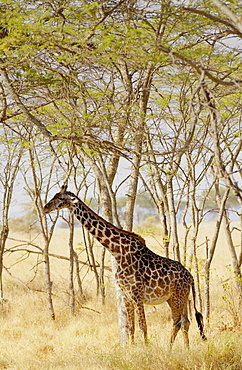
(143,276)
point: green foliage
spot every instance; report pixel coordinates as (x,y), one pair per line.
(93,72)
(76,50)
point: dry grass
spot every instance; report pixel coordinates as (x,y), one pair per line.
(89,340)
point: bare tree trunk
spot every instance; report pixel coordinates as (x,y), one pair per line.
(88,241)
(79,282)
(209,258)
(144,92)
(105,183)
(240,255)
(194,254)
(158,194)
(164,227)
(187,228)
(46,232)
(107,215)
(105,191)
(235,262)
(71,266)
(172,212)
(101,275)
(48,281)
(234,258)
(133,185)
(122,314)
(3,239)
(195,228)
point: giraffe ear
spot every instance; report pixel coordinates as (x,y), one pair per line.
(63,189)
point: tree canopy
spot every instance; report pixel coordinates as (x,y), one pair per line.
(143,96)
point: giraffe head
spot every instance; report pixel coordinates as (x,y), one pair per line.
(63,199)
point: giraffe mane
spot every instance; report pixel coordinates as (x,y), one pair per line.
(130,233)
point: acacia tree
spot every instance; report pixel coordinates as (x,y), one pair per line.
(146,81)
(87,108)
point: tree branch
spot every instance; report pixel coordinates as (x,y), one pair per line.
(6,81)
(230,183)
(200,69)
(214,18)
(230,14)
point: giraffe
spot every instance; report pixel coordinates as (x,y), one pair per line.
(143,276)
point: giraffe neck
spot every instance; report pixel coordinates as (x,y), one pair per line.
(117,241)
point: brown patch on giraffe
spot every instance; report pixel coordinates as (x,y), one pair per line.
(94,223)
(124,241)
(101,225)
(108,233)
(106,242)
(115,239)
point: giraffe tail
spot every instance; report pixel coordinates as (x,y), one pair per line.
(199,318)
(198,315)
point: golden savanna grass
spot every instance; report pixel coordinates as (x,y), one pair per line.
(89,339)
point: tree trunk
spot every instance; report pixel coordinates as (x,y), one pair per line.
(164,227)
(210,255)
(228,234)
(145,83)
(235,262)
(79,282)
(158,193)
(172,212)
(101,275)
(71,266)
(106,205)
(105,180)
(3,239)
(122,314)
(48,281)
(46,232)
(88,241)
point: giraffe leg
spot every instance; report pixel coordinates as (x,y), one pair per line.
(142,320)
(180,320)
(176,319)
(185,323)
(175,328)
(130,318)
